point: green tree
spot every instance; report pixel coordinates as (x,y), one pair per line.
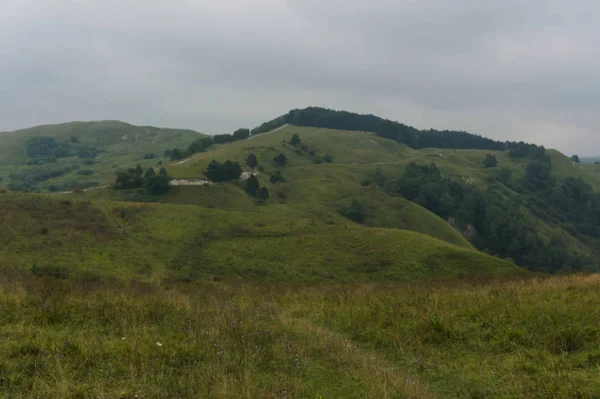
(251,161)
(149,173)
(280,160)
(241,134)
(176,154)
(252,186)
(295,141)
(264,193)
(575,158)
(158,184)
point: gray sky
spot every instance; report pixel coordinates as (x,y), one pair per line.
(508,69)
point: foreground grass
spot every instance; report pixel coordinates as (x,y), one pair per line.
(101,338)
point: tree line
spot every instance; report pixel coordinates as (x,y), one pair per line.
(414,138)
(203,143)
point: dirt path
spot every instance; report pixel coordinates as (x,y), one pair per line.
(85,190)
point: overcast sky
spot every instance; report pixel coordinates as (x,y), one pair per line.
(507,69)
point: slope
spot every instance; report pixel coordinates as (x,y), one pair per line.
(83,154)
(58,237)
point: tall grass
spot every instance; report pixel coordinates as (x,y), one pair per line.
(93,337)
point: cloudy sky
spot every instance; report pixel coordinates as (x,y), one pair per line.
(507,69)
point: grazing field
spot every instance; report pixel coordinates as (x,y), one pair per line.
(100,337)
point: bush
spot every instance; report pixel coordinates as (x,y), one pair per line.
(490,161)
(85,172)
(327,158)
(277,177)
(355,211)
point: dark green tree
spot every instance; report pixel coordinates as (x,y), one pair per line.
(264,193)
(158,184)
(176,154)
(149,173)
(575,158)
(295,140)
(251,161)
(252,186)
(280,160)
(241,134)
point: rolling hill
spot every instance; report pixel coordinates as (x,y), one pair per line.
(89,153)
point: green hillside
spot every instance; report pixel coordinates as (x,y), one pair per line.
(81,154)
(157,241)
(314,186)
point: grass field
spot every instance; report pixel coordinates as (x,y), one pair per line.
(101,337)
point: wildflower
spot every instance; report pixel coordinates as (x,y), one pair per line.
(158,344)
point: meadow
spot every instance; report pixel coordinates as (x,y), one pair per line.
(98,337)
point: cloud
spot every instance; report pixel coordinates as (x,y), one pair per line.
(505,69)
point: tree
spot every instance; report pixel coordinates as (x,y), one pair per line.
(280,160)
(252,186)
(264,193)
(490,161)
(149,173)
(575,158)
(176,154)
(295,141)
(327,158)
(241,134)
(138,176)
(251,161)
(162,172)
(158,184)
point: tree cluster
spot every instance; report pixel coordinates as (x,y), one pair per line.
(254,189)
(492,222)
(203,143)
(226,171)
(135,178)
(43,150)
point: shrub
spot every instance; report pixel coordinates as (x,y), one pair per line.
(355,211)
(277,177)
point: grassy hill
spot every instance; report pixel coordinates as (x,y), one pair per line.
(160,241)
(96,151)
(314,186)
